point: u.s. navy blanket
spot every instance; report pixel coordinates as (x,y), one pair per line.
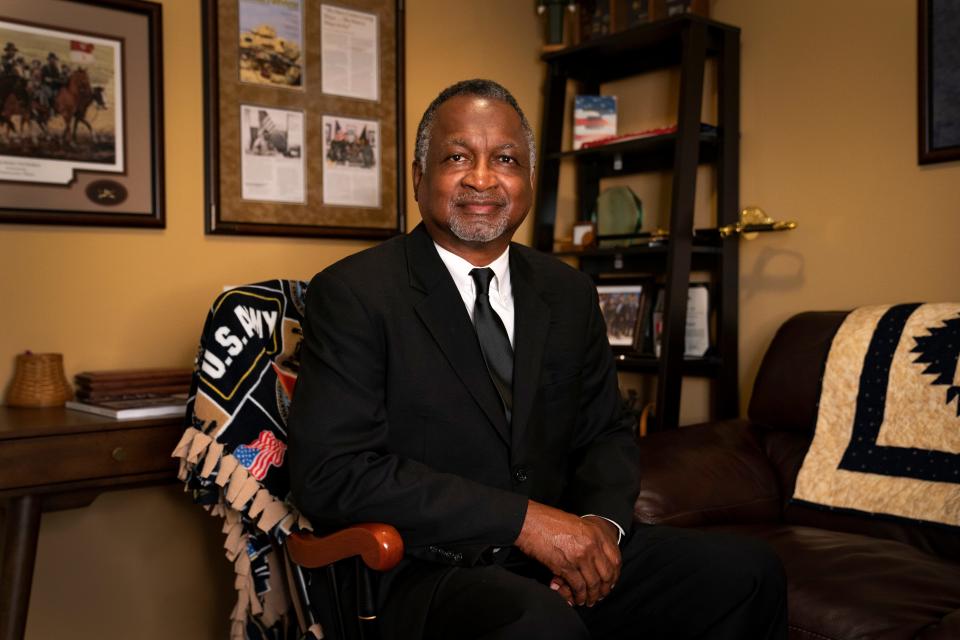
(233,451)
(887,438)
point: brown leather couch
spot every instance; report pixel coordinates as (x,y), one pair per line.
(848,576)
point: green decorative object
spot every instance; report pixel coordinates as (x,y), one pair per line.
(619,213)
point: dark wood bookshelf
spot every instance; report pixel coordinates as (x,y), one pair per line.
(685,42)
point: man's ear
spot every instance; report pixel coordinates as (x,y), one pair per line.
(417,177)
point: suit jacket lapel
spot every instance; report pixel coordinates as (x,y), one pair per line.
(531,321)
(441,310)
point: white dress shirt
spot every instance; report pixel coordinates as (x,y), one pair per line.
(501,300)
(500,293)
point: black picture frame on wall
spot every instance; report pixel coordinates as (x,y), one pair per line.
(938,56)
(111,172)
(244,193)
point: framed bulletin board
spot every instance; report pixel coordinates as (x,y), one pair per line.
(304,117)
(939,80)
(81,113)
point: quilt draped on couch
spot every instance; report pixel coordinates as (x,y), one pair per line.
(887,439)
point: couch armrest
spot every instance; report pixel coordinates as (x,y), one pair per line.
(712,473)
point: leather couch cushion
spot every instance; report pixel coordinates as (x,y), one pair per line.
(706,474)
(787,387)
(843,586)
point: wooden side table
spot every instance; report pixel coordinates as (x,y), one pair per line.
(54,459)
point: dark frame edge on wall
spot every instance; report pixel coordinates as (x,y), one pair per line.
(927,153)
(157,219)
(211,98)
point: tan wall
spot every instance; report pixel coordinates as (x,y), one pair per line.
(829,138)
(128,298)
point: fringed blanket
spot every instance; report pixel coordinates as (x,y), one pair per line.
(887,438)
(233,451)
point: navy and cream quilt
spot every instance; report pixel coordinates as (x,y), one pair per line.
(887,438)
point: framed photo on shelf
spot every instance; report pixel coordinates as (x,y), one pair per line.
(939,80)
(697,330)
(622,305)
(303,105)
(81,113)
(584,235)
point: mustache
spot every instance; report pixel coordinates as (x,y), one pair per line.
(468,199)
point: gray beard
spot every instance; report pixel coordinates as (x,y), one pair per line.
(474,229)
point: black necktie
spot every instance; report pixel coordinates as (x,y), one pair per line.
(494,342)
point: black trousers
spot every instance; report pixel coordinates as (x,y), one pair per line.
(674,583)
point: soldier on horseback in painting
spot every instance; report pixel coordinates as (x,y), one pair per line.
(9,59)
(53,79)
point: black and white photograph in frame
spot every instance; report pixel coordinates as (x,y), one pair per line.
(273,155)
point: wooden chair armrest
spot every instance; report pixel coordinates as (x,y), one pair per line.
(380,546)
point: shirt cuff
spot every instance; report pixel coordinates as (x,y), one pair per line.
(620,531)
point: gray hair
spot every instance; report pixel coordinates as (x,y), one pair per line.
(481,89)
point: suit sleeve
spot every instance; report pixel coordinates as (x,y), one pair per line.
(342,469)
(605,464)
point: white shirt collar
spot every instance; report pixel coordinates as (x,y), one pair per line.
(460,272)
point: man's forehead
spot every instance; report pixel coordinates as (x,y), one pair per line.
(469,109)
(500,142)
(465,118)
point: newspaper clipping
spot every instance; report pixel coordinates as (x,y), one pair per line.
(273,157)
(350,57)
(351,167)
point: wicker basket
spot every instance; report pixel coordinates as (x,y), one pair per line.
(39,381)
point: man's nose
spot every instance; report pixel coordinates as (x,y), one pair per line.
(480,176)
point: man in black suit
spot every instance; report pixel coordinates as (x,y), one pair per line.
(461,388)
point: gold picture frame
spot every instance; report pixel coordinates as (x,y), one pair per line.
(303,136)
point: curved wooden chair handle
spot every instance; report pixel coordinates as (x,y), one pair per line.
(380,546)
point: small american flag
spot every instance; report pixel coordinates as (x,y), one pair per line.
(257,456)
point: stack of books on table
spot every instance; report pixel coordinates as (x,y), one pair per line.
(132,393)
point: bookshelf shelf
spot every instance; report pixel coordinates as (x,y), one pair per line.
(698,367)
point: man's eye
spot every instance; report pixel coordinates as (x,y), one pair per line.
(456,157)
(508,159)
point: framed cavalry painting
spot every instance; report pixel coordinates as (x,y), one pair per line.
(303,105)
(81,113)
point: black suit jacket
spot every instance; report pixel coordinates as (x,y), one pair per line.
(395,418)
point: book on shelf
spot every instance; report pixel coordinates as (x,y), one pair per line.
(594,117)
(635,135)
(129,393)
(143,383)
(642,343)
(706,129)
(128,375)
(94,387)
(154,406)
